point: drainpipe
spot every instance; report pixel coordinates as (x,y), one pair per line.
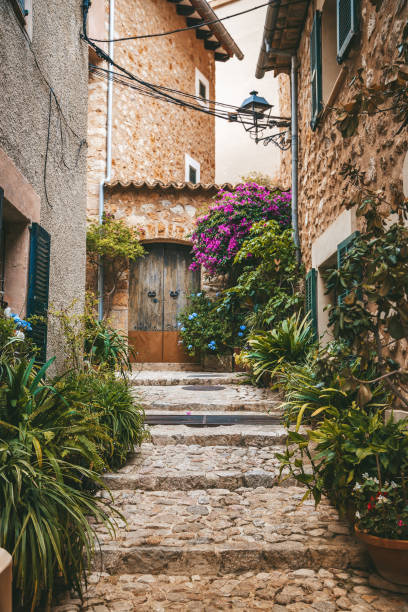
(108,174)
(294,130)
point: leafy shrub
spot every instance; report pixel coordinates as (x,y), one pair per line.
(113,244)
(204,328)
(346,444)
(288,343)
(220,233)
(109,401)
(46,448)
(105,346)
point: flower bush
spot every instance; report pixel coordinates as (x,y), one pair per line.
(203,329)
(268,281)
(381,508)
(221,232)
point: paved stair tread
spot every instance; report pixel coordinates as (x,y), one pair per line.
(228,435)
(233,397)
(302,590)
(217,530)
(187,467)
(170,378)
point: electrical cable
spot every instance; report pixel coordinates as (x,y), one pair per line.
(194,27)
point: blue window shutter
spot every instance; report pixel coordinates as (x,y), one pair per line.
(38,285)
(347,26)
(316,68)
(342,249)
(311,298)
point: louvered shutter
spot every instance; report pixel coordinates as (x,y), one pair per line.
(38,285)
(342,249)
(316,68)
(311,298)
(347,26)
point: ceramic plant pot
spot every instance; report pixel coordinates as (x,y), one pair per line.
(390,557)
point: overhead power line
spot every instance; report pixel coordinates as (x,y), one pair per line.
(193,27)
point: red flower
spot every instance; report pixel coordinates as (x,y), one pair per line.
(369,506)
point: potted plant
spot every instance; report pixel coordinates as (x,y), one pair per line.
(382,524)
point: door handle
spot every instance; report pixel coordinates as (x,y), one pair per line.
(174,294)
(151,294)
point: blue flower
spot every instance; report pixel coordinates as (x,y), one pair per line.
(199,294)
(190,346)
(183,329)
(243,327)
(240,334)
(178,324)
(192,316)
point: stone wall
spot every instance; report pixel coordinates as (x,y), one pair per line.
(31,128)
(375,147)
(151,137)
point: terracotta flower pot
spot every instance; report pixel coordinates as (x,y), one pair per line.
(390,557)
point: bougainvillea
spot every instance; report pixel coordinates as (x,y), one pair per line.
(220,233)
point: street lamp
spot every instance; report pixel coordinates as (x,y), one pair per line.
(255,116)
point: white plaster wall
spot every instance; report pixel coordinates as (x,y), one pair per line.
(235,153)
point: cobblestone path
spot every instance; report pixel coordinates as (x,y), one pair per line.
(208,528)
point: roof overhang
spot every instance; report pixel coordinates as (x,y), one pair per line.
(284,23)
(162,186)
(215,36)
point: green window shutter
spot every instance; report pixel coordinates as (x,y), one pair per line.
(316,68)
(38,285)
(342,249)
(311,298)
(347,26)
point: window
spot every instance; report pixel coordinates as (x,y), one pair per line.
(316,68)
(311,299)
(347,26)
(192,170)
(202,88)
(330,67)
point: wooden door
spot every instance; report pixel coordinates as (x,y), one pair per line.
(158,288)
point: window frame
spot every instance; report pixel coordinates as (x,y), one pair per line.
(316,72)
(343,50)
(193,163)
(199,77)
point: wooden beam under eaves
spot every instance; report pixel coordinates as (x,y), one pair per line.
(202,34)
(212,45)
(221,57)
(185,9)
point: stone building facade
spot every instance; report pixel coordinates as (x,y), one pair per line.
(324,221)
(43,131)
(163,154)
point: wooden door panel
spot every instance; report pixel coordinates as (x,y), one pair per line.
(147,346)
(153,319)
(177,278)
(146,275)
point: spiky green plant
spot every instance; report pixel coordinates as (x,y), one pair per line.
(288,343)
(46,521)
(108,399)
(106,346)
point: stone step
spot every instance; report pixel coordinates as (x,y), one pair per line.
(187,467)
(229,399)
(218,531)
(301,590)
(171,377)
(223,435)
